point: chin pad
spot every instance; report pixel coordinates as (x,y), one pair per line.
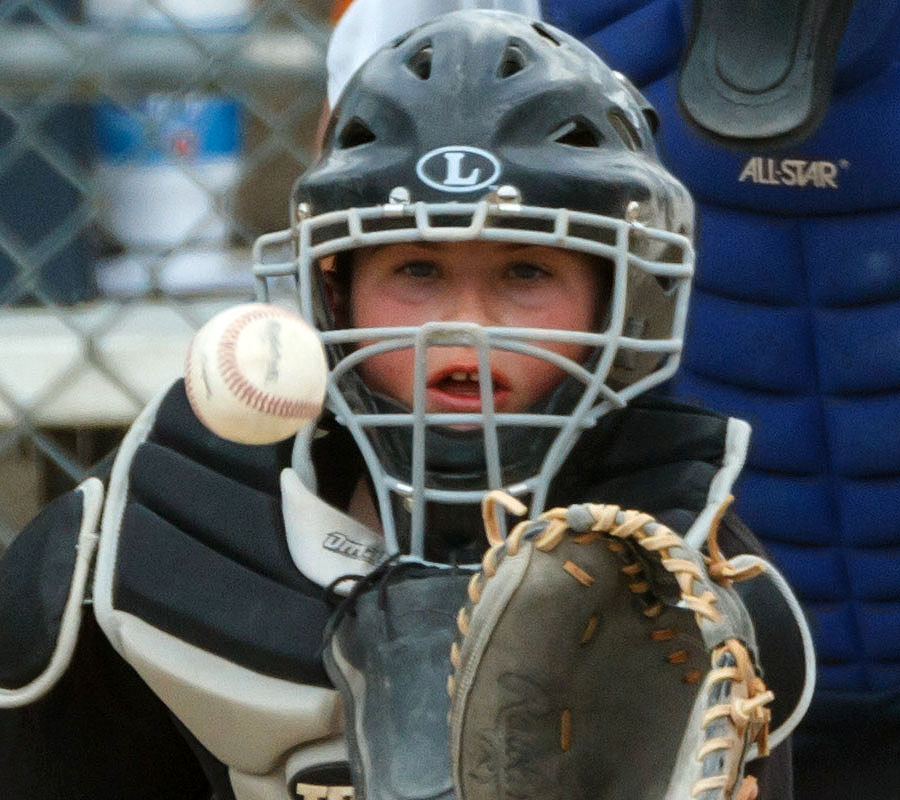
(759,75)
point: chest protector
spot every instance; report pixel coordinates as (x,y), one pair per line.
(214,558)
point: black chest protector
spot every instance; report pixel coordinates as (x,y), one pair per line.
(214,562)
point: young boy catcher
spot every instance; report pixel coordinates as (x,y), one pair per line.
(498,267)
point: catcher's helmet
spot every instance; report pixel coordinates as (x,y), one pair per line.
(485,125)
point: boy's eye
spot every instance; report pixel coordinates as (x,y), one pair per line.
(418,269)
(525,270)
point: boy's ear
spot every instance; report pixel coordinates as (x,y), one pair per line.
(337,294)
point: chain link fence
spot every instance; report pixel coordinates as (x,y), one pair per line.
(144,144)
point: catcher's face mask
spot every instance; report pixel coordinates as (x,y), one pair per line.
(483,127)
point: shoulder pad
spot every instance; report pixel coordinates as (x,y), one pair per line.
(195,588)
(675,461)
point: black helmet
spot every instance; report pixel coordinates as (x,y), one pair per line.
(488,125)
(478,99)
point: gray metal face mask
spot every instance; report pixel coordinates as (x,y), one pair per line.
(418,458)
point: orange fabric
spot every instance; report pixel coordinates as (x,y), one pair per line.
(338,9)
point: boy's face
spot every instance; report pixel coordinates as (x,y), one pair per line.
(489,283)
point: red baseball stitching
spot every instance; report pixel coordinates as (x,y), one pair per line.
(243,389)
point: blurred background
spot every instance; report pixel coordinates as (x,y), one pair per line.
(144,144)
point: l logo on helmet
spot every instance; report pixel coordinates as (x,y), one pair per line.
(458,168)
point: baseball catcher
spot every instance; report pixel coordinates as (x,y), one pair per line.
(498,268)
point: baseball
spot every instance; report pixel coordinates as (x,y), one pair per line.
(255,374)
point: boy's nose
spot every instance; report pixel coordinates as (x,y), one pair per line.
(472,303)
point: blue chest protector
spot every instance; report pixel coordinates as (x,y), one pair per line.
(795,324)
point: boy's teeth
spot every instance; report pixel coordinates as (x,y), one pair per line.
(464,376)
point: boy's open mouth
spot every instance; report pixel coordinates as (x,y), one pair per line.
(457,388)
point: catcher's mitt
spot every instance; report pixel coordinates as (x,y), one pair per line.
(601,657)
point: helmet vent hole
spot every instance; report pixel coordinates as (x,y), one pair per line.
(419,64)
(577,133)
(354,134)
(400,40)
(513,62)
(627,132)
(542,31)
